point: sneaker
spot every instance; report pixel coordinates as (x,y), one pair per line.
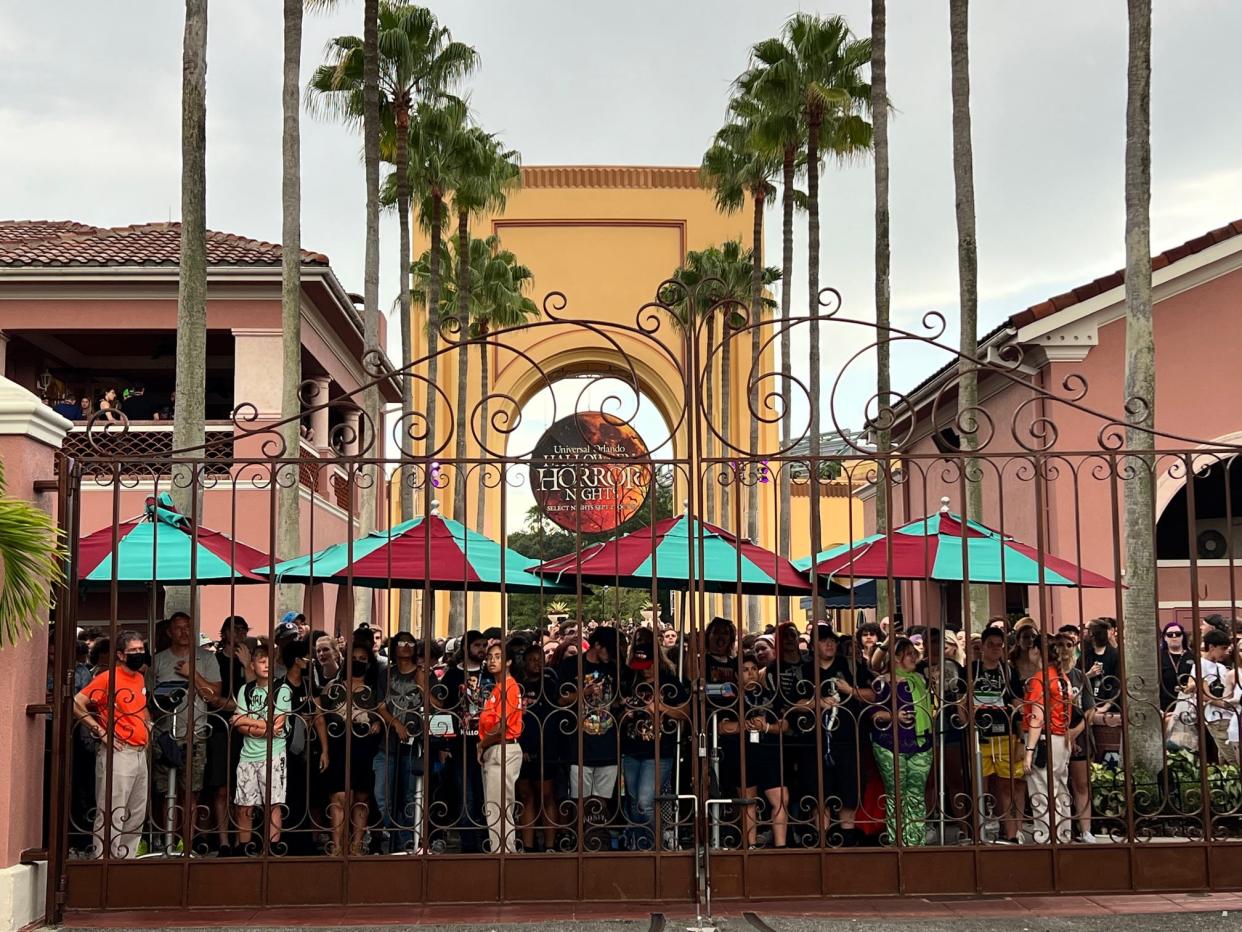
(1002,840)
(1088,839)
(670,839)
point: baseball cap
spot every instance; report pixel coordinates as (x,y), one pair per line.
(291,618)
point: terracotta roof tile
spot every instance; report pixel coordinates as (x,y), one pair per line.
(609,176)
(1115,279)
(60,244)
(23,231)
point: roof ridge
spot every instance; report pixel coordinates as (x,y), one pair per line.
(1097,286)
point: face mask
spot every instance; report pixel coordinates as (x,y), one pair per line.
(360,667)
(137,661)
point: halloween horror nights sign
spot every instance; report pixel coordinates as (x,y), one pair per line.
(584,474)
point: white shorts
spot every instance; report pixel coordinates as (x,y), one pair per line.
(252,782)
(596,781)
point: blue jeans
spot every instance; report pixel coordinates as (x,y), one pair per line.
(398,794)
(641,782)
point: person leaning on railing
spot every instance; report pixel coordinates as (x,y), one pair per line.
(113,705)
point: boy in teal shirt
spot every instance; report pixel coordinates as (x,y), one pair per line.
(256,709)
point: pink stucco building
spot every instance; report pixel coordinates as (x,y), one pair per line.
(85,309)
(1075,342)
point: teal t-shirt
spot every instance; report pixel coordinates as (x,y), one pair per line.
(256,707)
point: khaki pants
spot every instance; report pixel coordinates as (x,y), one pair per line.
(1051,782)
(1219,730)
(126,809)
(498,793)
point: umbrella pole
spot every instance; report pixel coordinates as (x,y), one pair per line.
(941,737)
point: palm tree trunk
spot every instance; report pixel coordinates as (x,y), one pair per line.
(288,518)
(480,507)
(726,377)
(405,600)
(883,297)
(967,278)
(709,442)
(457,600)
(756,348)
(812,276)
(784,542)
(368,489)
(191,384)
(1139,625)
(433,325)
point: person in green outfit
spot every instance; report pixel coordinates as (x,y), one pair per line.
(905,772)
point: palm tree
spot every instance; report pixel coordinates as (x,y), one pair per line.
(811,78)
(1140,622)
(715,277)
(736,166)
(967,271)
(416,61)
(688,306)
(496,298)
(31,559)
(192,278)
(484,173)
(369,489)
(287,513)
(883,297)
(776,114)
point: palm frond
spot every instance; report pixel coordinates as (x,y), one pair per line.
(32,558)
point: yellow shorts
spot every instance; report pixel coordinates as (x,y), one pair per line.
(1002,756)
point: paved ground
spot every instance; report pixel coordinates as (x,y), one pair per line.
(1149,913)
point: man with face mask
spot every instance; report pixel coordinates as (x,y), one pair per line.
(113,708)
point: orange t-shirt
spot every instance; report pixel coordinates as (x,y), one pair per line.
(1056,708)
(505,700)
(129,698)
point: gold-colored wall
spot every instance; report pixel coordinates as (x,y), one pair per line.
(605,237)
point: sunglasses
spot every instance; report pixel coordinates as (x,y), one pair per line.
(1175,634)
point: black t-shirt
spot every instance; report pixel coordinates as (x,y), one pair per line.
(140,407)
(639,728)
(597,713)
(995,692)
(721,678)
(462,693)
(1175,670)
(842,721)
(789,685)
(1107,684)
(539,714)
(757,702)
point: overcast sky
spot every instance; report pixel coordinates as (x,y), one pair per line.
(89,128)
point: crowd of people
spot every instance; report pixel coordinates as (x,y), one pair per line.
(585,735)
(133,401)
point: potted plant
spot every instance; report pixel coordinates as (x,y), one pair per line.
(558,611)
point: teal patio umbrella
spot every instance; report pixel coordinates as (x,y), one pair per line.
(426,552)
(161,546)
(667,555)
(938,547)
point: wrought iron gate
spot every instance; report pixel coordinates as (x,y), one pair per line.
(679,793)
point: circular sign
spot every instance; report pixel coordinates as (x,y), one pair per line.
(582,472)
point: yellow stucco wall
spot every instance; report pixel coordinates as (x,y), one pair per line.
(605,237)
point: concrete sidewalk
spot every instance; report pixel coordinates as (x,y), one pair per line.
(1141,913)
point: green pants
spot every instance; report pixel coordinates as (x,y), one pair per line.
(912,775)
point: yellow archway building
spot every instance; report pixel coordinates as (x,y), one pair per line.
(604,236)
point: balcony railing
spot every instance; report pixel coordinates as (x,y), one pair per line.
(144,449)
